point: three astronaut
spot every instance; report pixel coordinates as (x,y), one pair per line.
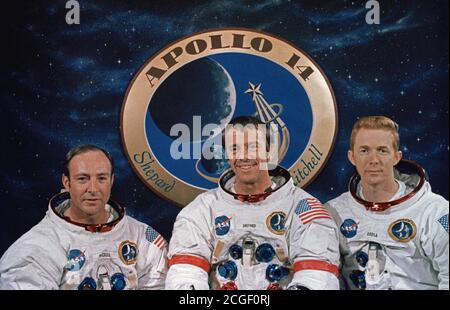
(255,231)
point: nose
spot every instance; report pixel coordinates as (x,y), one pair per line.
(92,188)
(247,154)
(373,158)
(242,153)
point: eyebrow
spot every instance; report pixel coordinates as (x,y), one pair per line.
(103,174)
(87,175)
(81,175)
(378,147)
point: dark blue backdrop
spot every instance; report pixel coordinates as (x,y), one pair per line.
(64,85)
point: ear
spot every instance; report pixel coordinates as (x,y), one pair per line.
(398,156)
(112,180)
(66,182)
(350,157)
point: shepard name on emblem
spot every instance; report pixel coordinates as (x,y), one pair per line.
(146,166)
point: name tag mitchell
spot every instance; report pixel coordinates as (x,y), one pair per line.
(307,167)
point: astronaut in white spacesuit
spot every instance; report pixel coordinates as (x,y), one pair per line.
(394,229)
(85,240)
(256,230)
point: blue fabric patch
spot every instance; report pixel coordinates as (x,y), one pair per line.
(444,222)
(222,225)
(302,207)
(151,234)
(349,228)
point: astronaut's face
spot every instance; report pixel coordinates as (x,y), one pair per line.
(374,156)
(89,185)
(246,151)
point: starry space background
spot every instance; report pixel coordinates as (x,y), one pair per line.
(63,85)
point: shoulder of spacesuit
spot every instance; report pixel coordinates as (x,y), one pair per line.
(341,201)
(436,198)
(202,204)
(433,204)
(344,197)
(134,223)
(300,194)
(44,231)
(41,241)
(432,215)
(141,229)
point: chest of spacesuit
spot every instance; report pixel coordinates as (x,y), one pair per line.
(96,263)
(379,248)
(250,242)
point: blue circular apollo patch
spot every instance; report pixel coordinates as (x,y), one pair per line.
(76,260)
(402,230)
(349,228)
(276,222)
(222,225)
(128,252)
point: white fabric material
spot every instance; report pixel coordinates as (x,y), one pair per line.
(401,191)
(186,277)
(39,259)
(316,280)
(202,225)
(420,263)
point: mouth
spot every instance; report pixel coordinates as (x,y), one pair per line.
(373,171)
(246,166)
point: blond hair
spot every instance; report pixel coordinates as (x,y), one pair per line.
(376,122)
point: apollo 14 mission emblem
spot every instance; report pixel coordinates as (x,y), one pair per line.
(181,99)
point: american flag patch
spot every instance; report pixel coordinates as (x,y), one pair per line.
(310,209)
(154,237)
(444,222)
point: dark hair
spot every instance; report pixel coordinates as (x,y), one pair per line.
(84,148)
(244,121)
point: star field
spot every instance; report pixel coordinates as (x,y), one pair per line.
(64,85)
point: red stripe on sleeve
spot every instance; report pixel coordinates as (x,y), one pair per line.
(190,260)
(316,265)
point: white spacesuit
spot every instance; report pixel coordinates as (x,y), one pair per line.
(283,238)
(400,244)
(60,254)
